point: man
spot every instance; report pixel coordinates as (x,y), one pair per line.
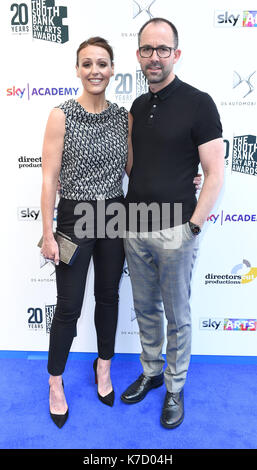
(175,127)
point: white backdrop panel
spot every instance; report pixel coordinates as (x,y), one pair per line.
(218,56)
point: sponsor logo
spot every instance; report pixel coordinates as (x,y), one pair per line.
(246,81)
(140,6)
(236,324)
(42,18)
(211,324)
(242,273)
(29,213)
(243,87)
(40,319)
(49,313)
(227,324)
(29,162)
(132,329)
(32,214)
(35,318)
(47,21)
(141,83)
(127,86)
(30,92)
(48,273)
(244,155)
(249,19)
(235,18)
(241,154)
(123,89)
(227,19)
(223,217)
(20,18)
(141,11)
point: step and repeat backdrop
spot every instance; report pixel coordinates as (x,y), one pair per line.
(39,40)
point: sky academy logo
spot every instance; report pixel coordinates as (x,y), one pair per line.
(29,91)
(224,217)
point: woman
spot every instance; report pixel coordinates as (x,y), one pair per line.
(87,146)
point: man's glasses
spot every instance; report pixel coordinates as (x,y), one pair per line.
(162,51)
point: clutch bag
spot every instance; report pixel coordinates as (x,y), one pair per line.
(68,250)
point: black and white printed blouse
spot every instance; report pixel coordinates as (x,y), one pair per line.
(95,152)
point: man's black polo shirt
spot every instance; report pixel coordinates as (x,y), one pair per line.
(167,129)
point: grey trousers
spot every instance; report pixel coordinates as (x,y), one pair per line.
(160,266)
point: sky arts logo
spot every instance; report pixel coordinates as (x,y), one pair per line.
(30,92)
(242,273)
(236,324)
(42,18)
(47,21)
(235,18)
(244,154)
(227,324)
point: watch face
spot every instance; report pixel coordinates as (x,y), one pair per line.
(194,228)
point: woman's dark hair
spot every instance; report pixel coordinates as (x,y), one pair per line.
(96,41)
(160,20)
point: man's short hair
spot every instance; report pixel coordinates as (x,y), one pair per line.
(160,20)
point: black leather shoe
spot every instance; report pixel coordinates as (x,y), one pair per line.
(138,389)
(59,420)
(107,399)
(173,410)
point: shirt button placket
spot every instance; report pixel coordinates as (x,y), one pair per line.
(152,112)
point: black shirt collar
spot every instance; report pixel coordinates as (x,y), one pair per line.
(166,91)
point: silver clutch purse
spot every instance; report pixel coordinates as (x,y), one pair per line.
(68,250)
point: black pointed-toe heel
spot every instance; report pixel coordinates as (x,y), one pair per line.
(59,420)
(107,399)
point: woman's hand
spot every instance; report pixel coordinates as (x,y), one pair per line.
(198,181)
(50,250)
(59,188)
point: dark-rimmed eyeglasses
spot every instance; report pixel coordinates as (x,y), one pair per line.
(162,51)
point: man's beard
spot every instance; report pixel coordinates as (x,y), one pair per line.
(156,78)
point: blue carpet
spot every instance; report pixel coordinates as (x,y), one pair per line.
(220,407)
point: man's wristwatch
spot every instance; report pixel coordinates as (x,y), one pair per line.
(195,229)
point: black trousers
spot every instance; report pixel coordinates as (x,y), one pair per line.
(108,259)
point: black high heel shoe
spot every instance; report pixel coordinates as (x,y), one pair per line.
(59,420)
(107,399)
